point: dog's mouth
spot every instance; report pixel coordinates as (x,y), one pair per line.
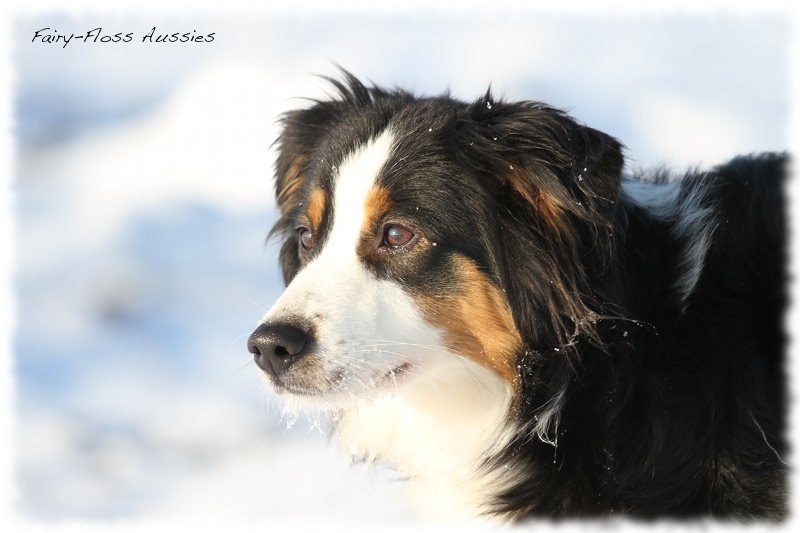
(381,383)
(342,387)
(390,379)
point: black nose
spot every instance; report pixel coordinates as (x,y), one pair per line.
(276,347)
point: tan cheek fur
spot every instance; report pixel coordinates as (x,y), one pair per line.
(477,321)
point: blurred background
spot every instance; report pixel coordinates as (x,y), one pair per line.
(143,195)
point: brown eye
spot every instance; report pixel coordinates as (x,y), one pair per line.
(396,236)
(306,239)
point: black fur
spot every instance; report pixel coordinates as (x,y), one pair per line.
(669,402)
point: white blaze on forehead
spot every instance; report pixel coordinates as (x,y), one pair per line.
(355,179)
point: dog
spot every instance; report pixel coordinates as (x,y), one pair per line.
(481,296)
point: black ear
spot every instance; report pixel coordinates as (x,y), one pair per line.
(562,172)
(302,134)
(292,168)
(557,183)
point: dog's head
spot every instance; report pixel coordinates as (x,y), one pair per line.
(418,230)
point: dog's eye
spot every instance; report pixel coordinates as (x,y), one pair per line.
(306,239)
(396,236)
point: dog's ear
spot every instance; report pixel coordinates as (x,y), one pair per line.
(291,172)
(558,170)
(299,138)
(557,184)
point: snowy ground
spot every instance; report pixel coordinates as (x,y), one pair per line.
(143,196)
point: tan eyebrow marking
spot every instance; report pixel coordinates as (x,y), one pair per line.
(316,206)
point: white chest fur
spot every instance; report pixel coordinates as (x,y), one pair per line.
(436,430)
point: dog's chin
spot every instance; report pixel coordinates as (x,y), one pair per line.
(340,390)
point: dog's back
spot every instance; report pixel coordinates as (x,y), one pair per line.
(697,421)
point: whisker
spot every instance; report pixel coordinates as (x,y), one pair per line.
(235,340)
(263,311)
(248,363)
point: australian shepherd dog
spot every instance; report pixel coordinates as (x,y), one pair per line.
(480,295)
